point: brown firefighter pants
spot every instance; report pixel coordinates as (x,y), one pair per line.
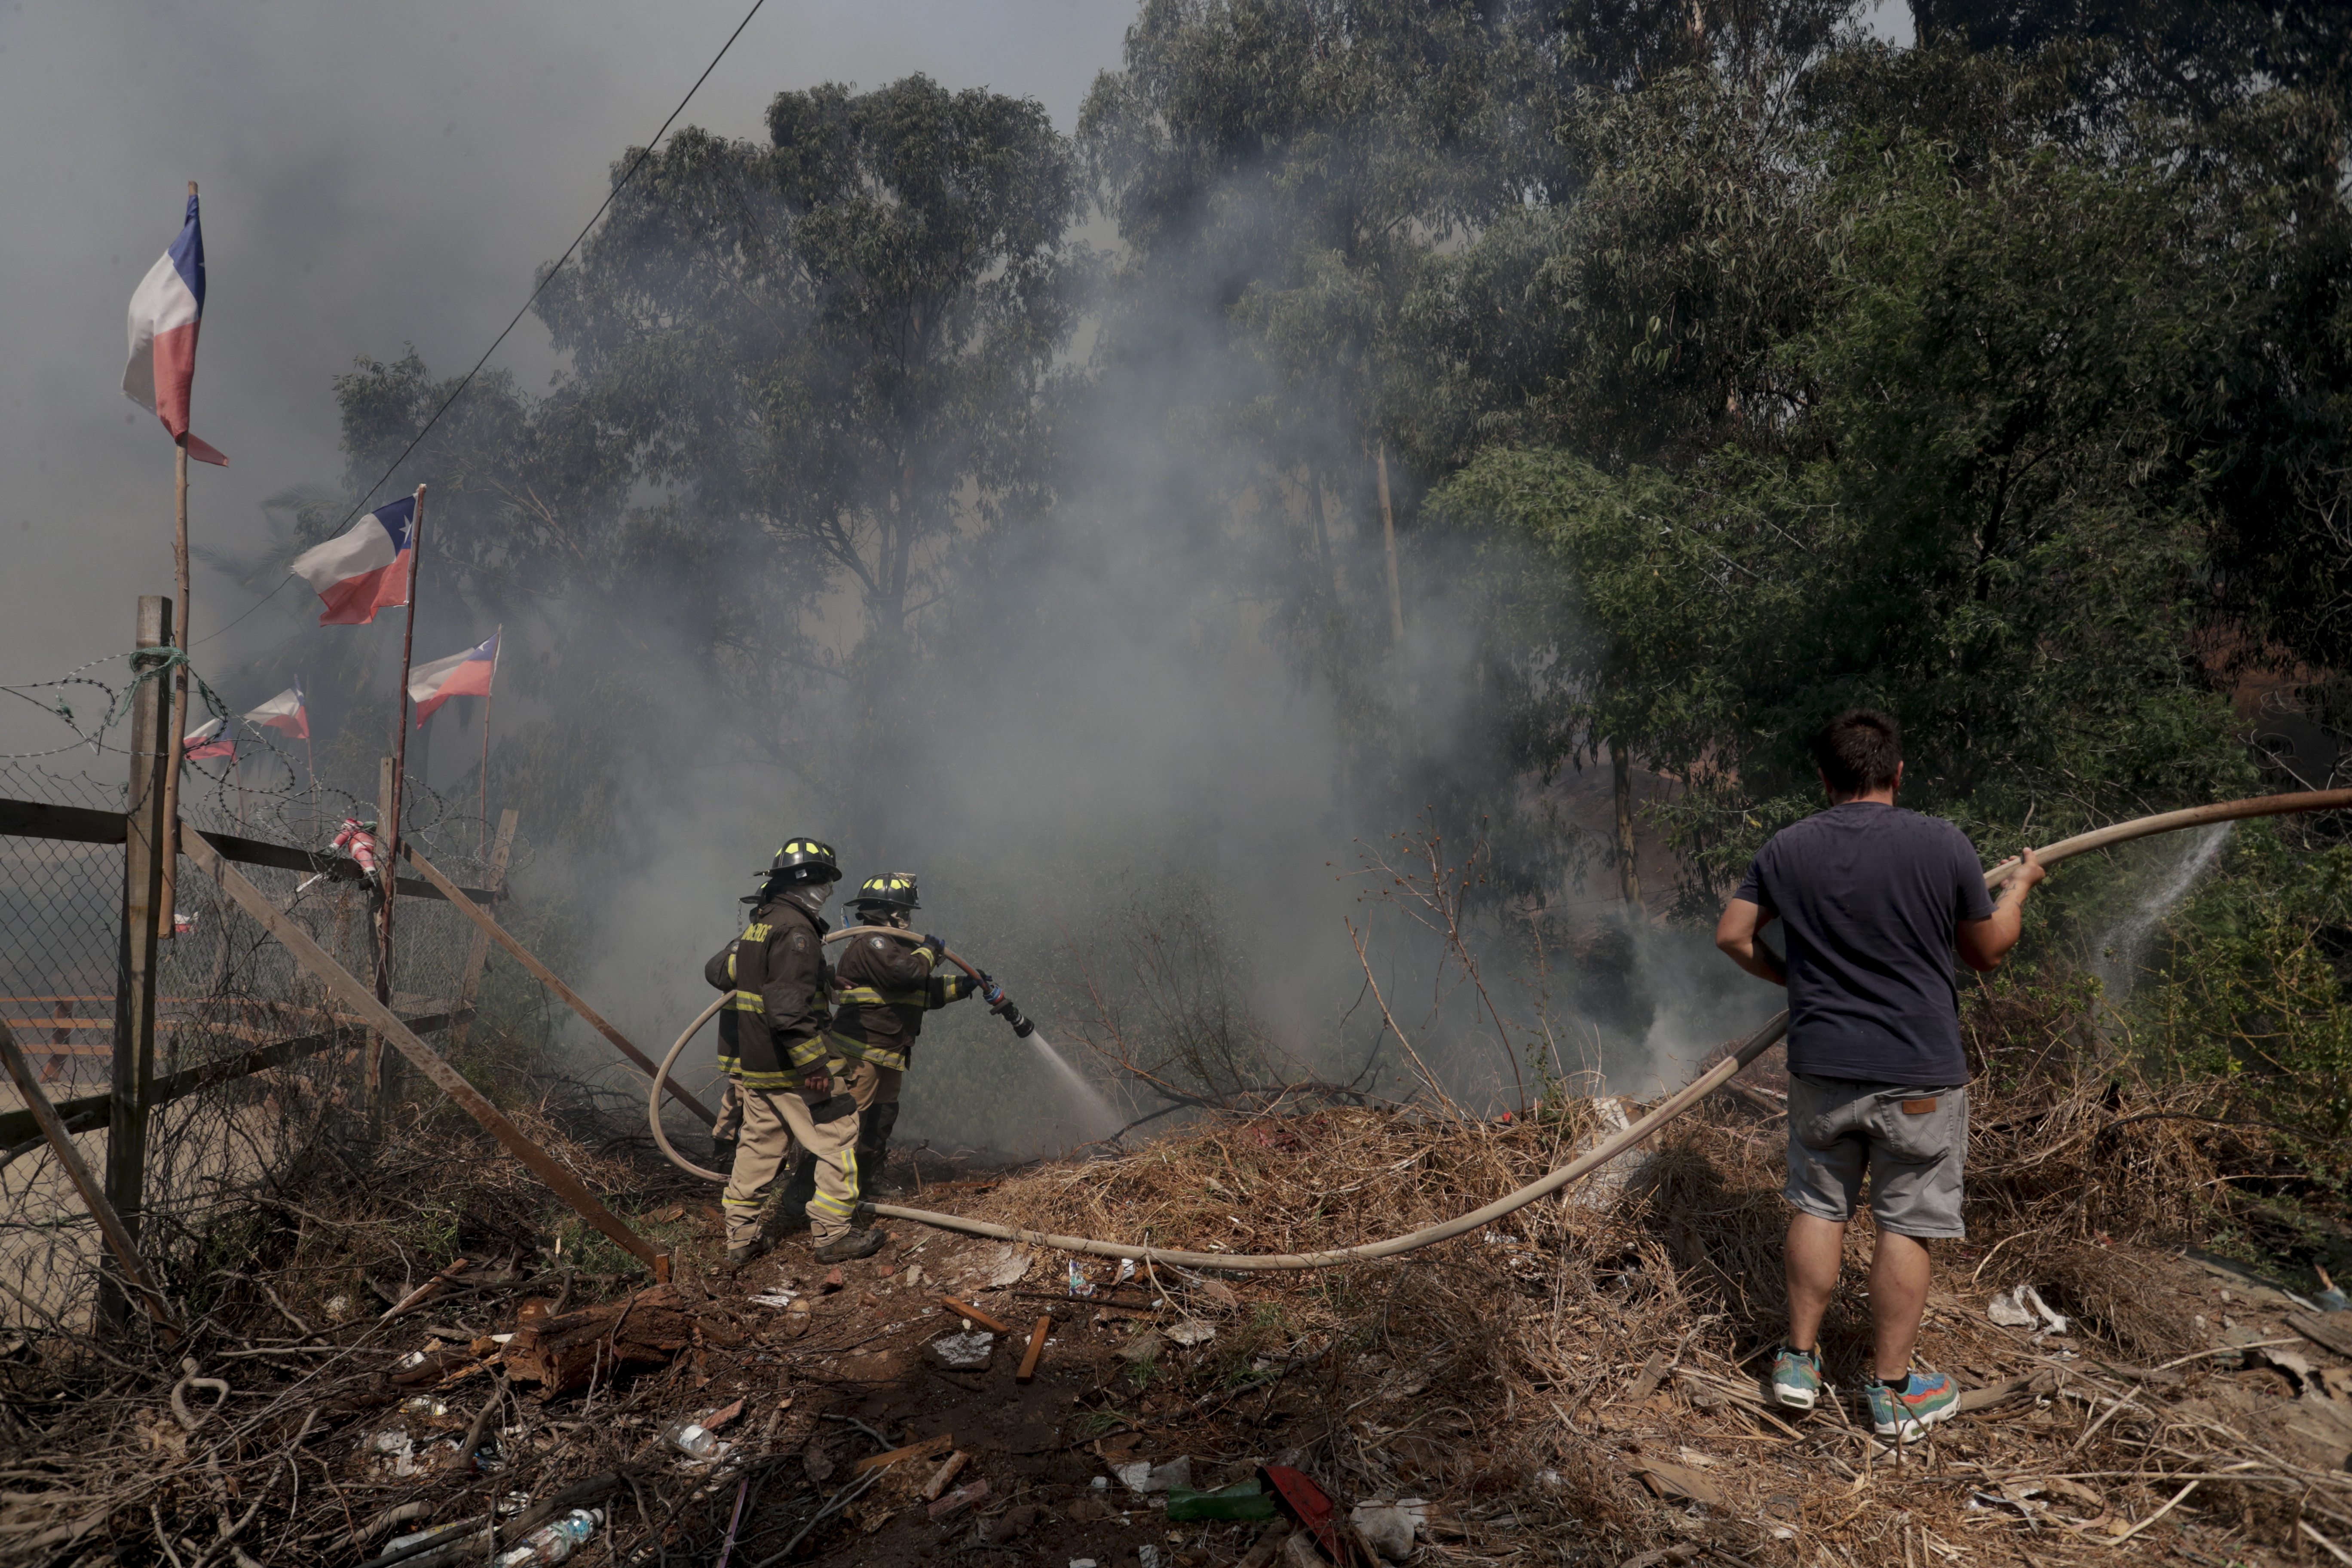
(773,1120)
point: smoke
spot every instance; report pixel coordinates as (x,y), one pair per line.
(1159,722)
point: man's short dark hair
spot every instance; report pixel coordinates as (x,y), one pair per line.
(1859,751)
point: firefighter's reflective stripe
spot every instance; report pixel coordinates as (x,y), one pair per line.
(838,1206)
(889,1056)
(867,997)
(749,1002)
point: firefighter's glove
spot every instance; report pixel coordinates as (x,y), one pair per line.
(817,1083)
(938,944)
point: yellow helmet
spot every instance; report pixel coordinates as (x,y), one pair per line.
(892,889)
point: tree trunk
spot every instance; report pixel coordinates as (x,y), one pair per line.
(1629,875)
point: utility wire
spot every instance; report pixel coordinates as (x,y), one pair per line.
(614,195)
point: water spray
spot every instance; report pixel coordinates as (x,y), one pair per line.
(1680,1101)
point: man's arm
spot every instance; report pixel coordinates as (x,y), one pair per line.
(1984,943)
(1736,935)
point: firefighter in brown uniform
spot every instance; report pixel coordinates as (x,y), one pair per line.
(882,988)
(774,1044)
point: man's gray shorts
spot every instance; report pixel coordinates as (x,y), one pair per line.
(1912,1143)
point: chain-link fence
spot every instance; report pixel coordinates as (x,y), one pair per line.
(255,1068)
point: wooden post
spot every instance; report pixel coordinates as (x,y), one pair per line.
(479,953)
(389,839)
(145,854)
(61,1143)
(380,898)
(546,976)
(346,988)
(169,897)
(1388,532)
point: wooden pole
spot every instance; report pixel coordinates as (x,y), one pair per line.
(483,819)
(346,988)
(171,890)
(546,976)
(93,1198)
(479,953)
(1388,532)
(390,842)
(381,894)
(144,910)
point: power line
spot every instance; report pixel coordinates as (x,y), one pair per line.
(629,174)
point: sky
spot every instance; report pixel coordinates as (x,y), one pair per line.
(372,176)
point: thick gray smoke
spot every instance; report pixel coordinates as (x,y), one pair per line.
(1130,797)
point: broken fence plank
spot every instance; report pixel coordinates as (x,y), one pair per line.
(88,1113)
(347,989)
(950,1468)
(93,1198)
(1028,1373)
(922,1450)
(2323,1331)
(975,1316)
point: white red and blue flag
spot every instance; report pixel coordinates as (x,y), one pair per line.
(465,674)
(366,569)
(166,311)
(284,712)
(213,738)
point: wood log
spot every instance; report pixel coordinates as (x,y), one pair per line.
(646,1329)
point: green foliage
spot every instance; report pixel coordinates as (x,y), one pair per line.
(1983,513)
(2253,986)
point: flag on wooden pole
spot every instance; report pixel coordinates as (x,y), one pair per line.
(166,311)
(366,569)
(284,712)
(213,738)
(465,674)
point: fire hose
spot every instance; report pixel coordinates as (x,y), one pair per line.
(1690,1094)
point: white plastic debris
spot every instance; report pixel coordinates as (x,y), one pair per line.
(1146,1556)
(1143,1476)
(776,1299)
(1191,1332)
(2023,1307)
(1125,1270)
(966,1351)
(1100,1483)
(1388,1527)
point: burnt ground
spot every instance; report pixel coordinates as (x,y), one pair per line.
(1575,1384)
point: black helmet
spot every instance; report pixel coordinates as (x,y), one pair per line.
(893,890)
(805,860)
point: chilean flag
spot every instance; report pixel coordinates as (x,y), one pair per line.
(364,571)
(214,738)
(465,674)
(166,311)
(284,712)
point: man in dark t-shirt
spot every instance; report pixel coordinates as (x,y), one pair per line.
(1876,901)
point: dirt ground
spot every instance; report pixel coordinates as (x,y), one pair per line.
(1576,1385)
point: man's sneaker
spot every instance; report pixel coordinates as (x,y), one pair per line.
(1795,1378)
(849,1248)
(1907,1412)
(755,1248)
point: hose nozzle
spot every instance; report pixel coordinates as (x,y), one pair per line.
(1004,1007)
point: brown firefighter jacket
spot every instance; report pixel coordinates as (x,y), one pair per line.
(882,990)
(774,1026)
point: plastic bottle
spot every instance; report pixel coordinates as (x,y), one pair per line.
(554,1541)
(1243,1500)
(693,1439)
